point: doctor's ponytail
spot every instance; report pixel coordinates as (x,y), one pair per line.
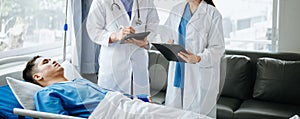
(210,2)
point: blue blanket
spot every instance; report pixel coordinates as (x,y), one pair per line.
(7,102)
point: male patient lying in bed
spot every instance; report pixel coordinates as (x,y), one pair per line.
(78,97)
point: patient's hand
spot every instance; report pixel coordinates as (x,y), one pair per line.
(150,99)
(143,97)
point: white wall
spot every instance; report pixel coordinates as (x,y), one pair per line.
(289,26)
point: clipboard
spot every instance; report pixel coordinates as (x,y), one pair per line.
(170,51)
(137,36)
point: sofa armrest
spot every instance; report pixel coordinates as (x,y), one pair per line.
(44,115)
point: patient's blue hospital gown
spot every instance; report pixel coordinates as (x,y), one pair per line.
(78,97)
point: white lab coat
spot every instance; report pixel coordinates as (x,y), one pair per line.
(204,37)
(120,62)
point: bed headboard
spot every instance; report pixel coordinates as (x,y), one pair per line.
(16,75)
(12,67)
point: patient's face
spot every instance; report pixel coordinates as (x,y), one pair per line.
(49,68)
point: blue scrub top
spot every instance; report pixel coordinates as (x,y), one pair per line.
(179,69)
(62,98)
(128,6)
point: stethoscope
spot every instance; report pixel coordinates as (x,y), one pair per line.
(138,21)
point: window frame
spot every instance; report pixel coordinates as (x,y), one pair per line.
(274,30)
(52,49)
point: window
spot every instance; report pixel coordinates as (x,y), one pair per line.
(247,24)
(31,26)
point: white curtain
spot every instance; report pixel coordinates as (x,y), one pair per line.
(84,53)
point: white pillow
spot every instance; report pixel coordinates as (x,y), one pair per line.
(25,91)
(70,71)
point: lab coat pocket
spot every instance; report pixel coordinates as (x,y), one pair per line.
(206,77)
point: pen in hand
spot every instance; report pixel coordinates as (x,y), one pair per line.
(125,31)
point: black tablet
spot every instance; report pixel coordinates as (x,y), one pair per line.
(137,36)
(170,51)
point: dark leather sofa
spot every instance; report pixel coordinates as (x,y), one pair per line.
(260,86)
(257,85)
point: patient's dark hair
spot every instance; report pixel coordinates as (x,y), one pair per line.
(30,70)
(210,2)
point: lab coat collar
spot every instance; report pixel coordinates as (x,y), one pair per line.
(202,7)
(179,12)
(181,8)
(134,13)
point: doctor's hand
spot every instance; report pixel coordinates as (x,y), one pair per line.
(141,43)
(122,33)
(170,41)
(189,57)
(125,31)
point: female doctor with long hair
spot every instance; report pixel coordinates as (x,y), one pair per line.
(122,64)
(194,85)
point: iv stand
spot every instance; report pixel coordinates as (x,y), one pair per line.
(65,33)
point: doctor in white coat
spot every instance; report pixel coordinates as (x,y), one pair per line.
(107,23)
(194,85)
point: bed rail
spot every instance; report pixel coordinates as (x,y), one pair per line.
(43,115)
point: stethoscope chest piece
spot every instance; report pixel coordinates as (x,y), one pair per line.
(138,22)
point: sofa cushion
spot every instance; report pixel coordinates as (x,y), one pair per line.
(278,81)
(237,82)
(159,98)
(256,109)
(226,106)
(158,71)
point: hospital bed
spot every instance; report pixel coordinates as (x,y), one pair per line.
(109,107)
(9,105)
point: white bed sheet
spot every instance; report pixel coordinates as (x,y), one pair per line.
(117,106)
